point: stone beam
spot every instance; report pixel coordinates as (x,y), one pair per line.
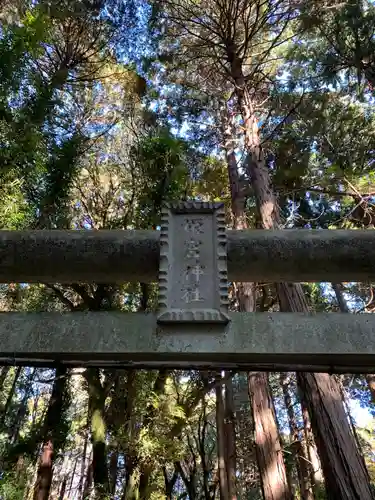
(330,342)
(120,256)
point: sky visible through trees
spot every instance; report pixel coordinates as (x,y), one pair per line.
(110,108)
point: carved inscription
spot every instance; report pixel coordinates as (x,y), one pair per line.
(192,276)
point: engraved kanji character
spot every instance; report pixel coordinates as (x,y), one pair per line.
(192,296)
(194,225)
(196,295)
(192,249)
(195,271)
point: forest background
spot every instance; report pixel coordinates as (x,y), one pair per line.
(109,108)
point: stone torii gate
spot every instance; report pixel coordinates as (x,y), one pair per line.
(192,328)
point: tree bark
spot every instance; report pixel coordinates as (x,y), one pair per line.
(303,469)
(343,306)
(345,474)
(370,378)
(97,397)
(130,491)
(63,488)
(72,477)
(230,439)
(169,483)
(316,470)
(339,381)
(144,481)
(88,482)
(83,461)
(228,132)
(146,468)
(51,436)
(339,292)
(10,396)
(188,476)
(113,468)
(274,486)
(220,437)
(239,222)
(343,469)
(14,431)
(119,418)
(272,469)
(202,430)
(3,375)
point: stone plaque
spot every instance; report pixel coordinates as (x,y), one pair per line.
(193,286)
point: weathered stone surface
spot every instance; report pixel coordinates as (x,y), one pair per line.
(193,283)
(71,256)
(119,256)
(278,341)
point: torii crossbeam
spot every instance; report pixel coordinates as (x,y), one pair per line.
(192,328)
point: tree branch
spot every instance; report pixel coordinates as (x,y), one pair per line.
(61,296)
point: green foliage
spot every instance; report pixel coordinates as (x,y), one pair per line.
(342,41)
(212,180)
(13,486)
(61,170)
(318,297)
(81,148)
(19,43)
(27,446)
(22,144)
(164,175)
(15,213)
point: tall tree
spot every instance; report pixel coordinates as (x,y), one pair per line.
(54,434)
(81,150)
(345,35)
(303,466)
(241,42)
